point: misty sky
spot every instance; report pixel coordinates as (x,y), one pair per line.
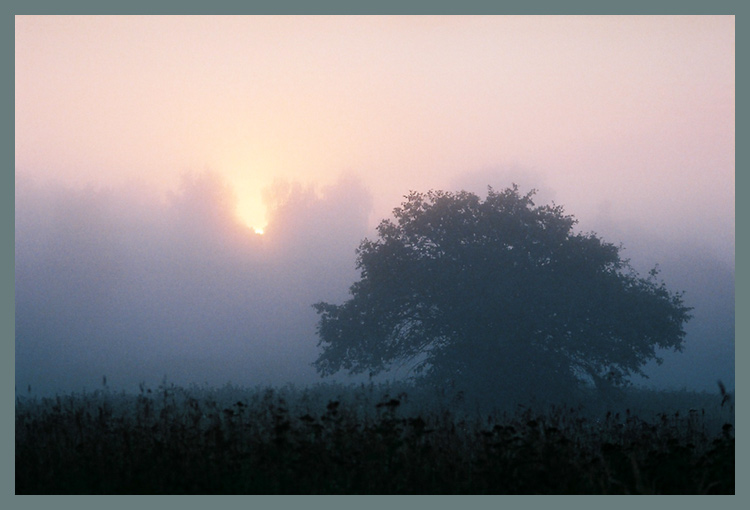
(148,149)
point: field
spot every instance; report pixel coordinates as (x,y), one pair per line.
(368,439)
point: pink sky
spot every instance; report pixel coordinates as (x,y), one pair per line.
(624,119)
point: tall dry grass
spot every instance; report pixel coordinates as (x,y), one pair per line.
(370,439)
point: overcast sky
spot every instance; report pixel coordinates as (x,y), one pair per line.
(148,149)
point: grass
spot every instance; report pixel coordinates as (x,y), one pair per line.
(370,439)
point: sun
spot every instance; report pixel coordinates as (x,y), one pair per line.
(251,212)
(249,204)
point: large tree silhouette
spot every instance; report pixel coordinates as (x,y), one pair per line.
(497,295)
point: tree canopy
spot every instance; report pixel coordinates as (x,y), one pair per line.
(498,294)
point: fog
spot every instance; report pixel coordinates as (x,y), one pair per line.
(111,283)
(149,148)
(139,286)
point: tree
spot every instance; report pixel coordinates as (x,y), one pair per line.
(499,295)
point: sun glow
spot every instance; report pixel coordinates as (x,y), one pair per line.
(251,214)
(249,207)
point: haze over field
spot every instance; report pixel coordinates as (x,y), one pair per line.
(149,149)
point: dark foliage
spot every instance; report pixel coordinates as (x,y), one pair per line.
(174,441)
(498,296)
